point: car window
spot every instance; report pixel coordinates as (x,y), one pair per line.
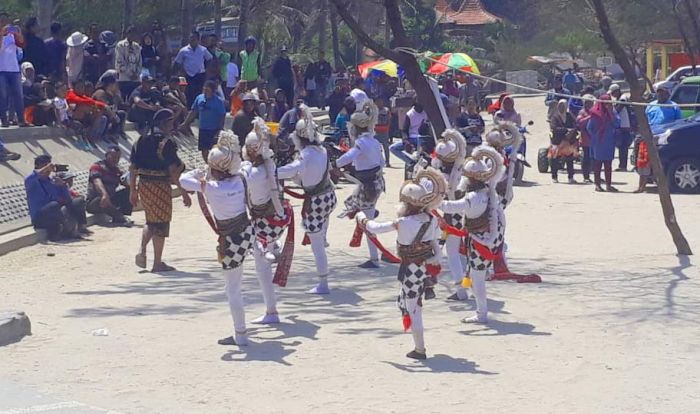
(686,94)
(681,74)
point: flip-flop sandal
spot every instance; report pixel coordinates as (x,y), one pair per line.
(140,260)
(163,268)
(227,341)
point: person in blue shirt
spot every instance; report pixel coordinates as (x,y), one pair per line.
(341,121)
(211,110)
(659,115)
(51,205)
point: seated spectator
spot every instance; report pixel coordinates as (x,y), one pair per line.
(89,112)
(471,125)
(279,107)
(103,195)
(37,109)
(6,154)
(236,97)
(336,99)
(174,98)
(108,93)
(282,145)
(64,116)
(51,205)
(144,102)
(211,110)
(381,129)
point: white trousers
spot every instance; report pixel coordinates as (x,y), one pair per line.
(373,251)
(454,258)
(318,247)
(479,288)
(416,314)
(263,269)
(234,279)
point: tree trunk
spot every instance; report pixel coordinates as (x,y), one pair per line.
(127,16)
(387,31)
(682,246)
(185,21)
(44,14)
(693,20)
(322,27)
(406,60)
(217,18)
(334,35)
(684,35)
(243,23)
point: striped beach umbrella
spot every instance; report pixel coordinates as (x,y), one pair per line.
(453,61)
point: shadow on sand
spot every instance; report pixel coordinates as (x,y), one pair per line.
(441,363)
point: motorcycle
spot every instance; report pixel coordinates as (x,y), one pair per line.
(335,149)
(520,160)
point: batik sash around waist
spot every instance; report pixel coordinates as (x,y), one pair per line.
(478,224)
(368,176)
(324,186)
(263,210)
(233,225)
(154,175)
(416,253)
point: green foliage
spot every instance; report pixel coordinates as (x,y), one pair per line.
(420,23)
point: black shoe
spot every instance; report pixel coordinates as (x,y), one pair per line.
(455,297)
(429,293)
(226,341)
(368,265)
(416,355)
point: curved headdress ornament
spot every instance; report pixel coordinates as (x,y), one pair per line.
(258,141)
(365,117)
(306,127)
(425,191)
(452,147)
(485,165)
(226,154)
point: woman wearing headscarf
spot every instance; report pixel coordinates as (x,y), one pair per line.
(37,110)
(507,112)
(601,128)
(563,139)
(155,163)
(585,142)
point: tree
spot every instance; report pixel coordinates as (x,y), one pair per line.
(127,16)
(217,18)
(334,36)
(44,9)
(399,54)
(322,20)
(243,23)
(623,60)
(185,20)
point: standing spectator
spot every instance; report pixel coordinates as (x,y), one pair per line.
(108,93)
(108,42)
(358,92)
(571,81)
(160,41)
(323,73)
(51,206)
(103,196)
(193,58)
(128,62)
(250,62)
(381,129)
(10,78)
(279,107)
(623,134)
(232,75)
(223,58)
(299,90)
(310,84)
(212,66)
(336,99)
(75,56)
(471,125)
(243,120)
(34,47)
(149,54)
(469,90)
(660,115)
(56,49)
(283,74)
(563,139)
(585,142)
(601,128)
(211,110)
(555,94)
(94,56)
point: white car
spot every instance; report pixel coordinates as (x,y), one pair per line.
(678,75)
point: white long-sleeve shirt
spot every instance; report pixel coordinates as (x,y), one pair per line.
(472,205)
(366,154)
(407,229)
(226,198)
(310,167)
(258,184)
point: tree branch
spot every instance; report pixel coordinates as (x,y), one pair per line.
(393,16)
(342,9)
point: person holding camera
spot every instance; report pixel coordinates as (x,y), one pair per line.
(103,196)
(51,205)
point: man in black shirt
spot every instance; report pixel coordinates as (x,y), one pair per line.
(471,125)
(283,74)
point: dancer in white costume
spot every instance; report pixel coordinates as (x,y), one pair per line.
(225,192)
(311,170)
(418,235)
(484,221)
(366,156)
(451,152)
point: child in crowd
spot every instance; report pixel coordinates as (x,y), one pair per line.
(64,118)
(643,166)
(381,129)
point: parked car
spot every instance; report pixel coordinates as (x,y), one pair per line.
(677,76)
(679,150)
(688,92)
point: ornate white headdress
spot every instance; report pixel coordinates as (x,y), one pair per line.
(226,154)
(305,128)
(426,191)
(365,117)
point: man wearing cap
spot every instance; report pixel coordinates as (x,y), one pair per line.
(243,120)
(51,206)
(211,110)
(143,102)
(103,195)
(193,59)
(283,74)
(127,61)
(659,115)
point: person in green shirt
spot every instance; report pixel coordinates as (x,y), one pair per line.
(250,62)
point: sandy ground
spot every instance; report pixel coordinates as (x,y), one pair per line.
(613,328)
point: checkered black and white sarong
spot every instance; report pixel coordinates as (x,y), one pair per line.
(266,232)
(236,246)
(412,277)
(475,260)
(455,220)
(360,199)
(319,209)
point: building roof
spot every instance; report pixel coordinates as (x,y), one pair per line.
(463,13)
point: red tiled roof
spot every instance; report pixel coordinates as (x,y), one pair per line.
(463,13)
